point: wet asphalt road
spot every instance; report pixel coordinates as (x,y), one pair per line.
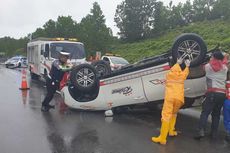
(25,129)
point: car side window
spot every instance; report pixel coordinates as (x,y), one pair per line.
(24,60)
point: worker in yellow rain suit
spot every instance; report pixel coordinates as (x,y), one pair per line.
(174,99)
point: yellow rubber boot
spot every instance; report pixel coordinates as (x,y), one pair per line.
(163,135)
(172,123)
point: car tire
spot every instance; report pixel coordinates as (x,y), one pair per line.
(45,75)
(189,46)
(84,77)
(102,68)
(34,76)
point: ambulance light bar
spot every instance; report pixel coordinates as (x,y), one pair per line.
(55,39)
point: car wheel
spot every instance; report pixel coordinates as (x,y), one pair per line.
(102,68)
(45,75)
(83,77)
(19,65)
(34,76)
(189,46)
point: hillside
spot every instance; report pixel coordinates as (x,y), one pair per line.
(213,32)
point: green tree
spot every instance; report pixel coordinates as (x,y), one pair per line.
(93,30)
(202,9)
(221,10)
(135,19)
(50,29)
(39,33)
(176,17)
(65,26)
(160,19)
(11,46)
(187,12)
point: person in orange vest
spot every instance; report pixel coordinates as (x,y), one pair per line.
(174,99)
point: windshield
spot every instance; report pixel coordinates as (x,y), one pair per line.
(15,58)
(76,50)
(119,60)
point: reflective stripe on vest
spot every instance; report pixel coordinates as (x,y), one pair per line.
(216,90)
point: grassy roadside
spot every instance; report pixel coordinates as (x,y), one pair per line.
(213,33)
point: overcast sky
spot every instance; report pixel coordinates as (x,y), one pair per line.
(21,17)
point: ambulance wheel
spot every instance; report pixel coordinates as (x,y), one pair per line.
(102,68)
(83,77)
(189,46)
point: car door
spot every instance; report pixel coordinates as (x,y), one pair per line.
(154,82)
(125,89)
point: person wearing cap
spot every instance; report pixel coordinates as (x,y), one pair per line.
(216,75)
(58,69)
(174,99)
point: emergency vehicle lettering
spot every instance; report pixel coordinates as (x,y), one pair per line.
(125,91)
(134,75)
(157,81)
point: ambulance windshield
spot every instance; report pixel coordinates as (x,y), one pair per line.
(76,50)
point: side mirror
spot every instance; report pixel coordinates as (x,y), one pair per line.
(46,53)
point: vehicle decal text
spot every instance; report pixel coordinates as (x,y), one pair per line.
(125,91)
(158,81)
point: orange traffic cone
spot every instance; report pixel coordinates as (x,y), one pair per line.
(24,96)
(24,82)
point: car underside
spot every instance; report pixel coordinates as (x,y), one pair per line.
(95,87)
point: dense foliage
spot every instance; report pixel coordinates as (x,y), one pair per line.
(213,32)
(141,19)
(10,46)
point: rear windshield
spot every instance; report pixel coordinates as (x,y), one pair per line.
(119,60)
(76,50)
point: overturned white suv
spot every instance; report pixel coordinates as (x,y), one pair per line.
(95,87)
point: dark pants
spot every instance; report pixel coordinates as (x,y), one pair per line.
(51,87)
(212,104)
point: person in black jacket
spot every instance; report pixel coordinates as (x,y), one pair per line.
(58,69)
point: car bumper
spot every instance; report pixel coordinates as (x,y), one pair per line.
(11,65)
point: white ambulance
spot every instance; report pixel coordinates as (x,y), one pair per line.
(41,52)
